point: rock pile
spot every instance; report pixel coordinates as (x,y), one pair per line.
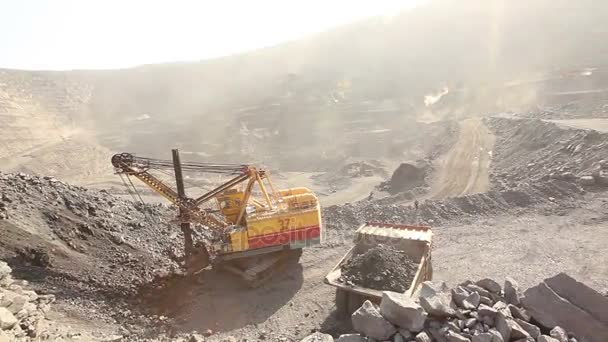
(22,311)
(536,151)
(382,268)
(90,237)
(485,311)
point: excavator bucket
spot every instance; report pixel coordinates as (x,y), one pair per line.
(198,260)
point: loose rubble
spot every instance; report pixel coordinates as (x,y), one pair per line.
(382,267)
(501,313)
(23,311)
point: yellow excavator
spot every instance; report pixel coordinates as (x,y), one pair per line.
(251,236)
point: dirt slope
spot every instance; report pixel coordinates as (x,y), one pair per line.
(464,170)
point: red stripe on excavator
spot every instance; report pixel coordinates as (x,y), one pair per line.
(282,238)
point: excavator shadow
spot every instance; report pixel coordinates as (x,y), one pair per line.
(220,301)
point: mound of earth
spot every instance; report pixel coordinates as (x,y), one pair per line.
(406,177)
(535,151)
(349,171)
(84,243)
(381,268)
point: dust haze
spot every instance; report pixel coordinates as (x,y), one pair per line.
(490,115)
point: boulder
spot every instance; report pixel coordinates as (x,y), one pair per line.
(474,288)
(531,329)
(489,285)
(472,301)
(318,337)
(18,302)
(7,319)
(545,338)
(423,337)
(484,310)
(503,326)
(580,295)
(550,310)
(484,337)
(437,300)
(520,313)
(512,295)
(456,337)
(402,311)
(496,336)
(459,294)
(517,331)
(5,270)
(368,321)
(406,334)
(586,180)
(559,334)
(351,338)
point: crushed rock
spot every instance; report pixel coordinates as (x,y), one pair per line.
(381,268)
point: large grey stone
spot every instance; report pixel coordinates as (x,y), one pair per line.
(503,326)
(459,293)
(489,285)
(559,334)
(484,310)
(512,295)
(545,338)
(587,180)
(18,302)
(368,321)
(550,310)
(7,319)
(351,338)
(437,301)
(580,295)
(474,288)
(402,311)
(496,336)
(423,337)
(484,337)
(517,331)
(318,337)
(456,337)
(531,329)
(472,301)
(517,312)
(5,269)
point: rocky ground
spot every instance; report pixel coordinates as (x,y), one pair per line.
(559,309)
(106,258)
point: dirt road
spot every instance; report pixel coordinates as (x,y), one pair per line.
(464,169)
(528,248)
(291,305)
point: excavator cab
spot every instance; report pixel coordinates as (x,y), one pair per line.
(230,203)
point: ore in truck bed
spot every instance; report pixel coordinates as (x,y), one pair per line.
(380,268)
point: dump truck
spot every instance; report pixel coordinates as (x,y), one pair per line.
(415,241)
(244,225)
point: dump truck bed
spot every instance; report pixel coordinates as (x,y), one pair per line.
(415,241)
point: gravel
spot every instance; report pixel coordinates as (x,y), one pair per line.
(380,268)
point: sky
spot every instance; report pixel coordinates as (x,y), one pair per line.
(107,34)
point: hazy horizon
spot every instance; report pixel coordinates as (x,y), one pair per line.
(71,34)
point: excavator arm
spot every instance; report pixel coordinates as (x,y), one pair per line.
(190,210)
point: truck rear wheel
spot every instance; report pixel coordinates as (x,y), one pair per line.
(342,303)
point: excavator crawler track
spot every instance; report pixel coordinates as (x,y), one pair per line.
(255,271)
